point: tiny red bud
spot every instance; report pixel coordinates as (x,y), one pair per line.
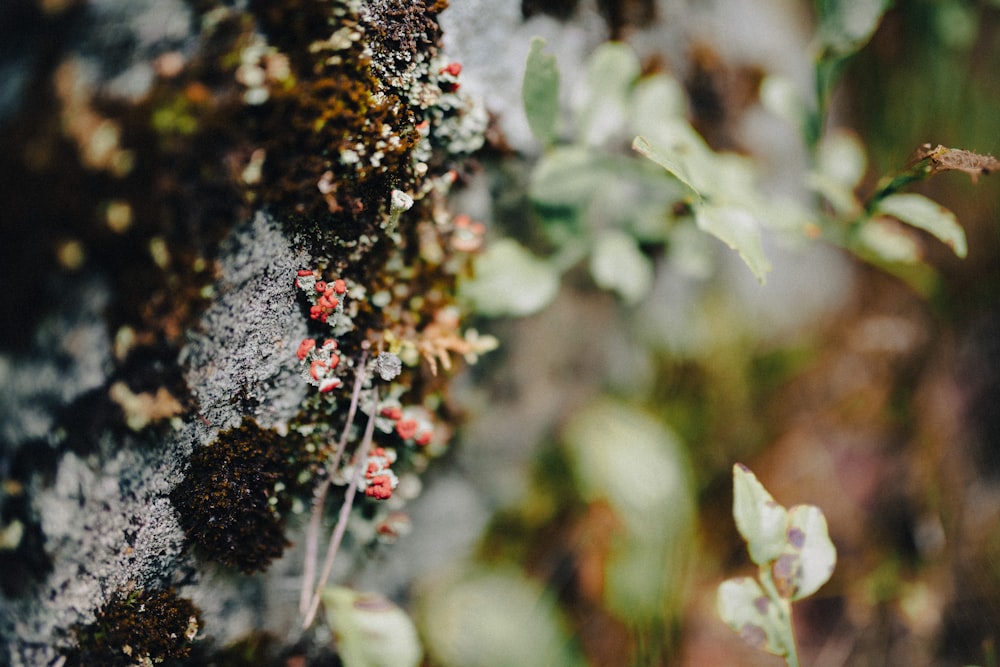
(424,439)
(317,369)
(305,272)
(304,347)
(452,68)
(334,360)
(329,384)
(392,412)
(339,286)
(407,428)
(320,286)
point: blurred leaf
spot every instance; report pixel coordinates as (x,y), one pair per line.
(654,98)
(888,241)
(612,69)
(809,557)
(761,521)
(509,280)
(494,618)
(567,176)
(744,607)
(617,263)
(371,631)
(841,158)
(669,160)
(738,229)
(846,25)
(540,93)
(923,213)
(779,95)
(623,457)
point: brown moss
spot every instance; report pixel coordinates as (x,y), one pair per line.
(154,625)
(235,497)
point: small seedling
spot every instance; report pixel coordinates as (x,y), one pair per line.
(794,555)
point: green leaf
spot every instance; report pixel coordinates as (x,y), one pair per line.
(371,631)
(567,176)
(738,229)
(612,69)
(744,607)
(888,242)
(654,98)
(923,213)
(761,521)
(509,280)
(846,25)
(493,618)
(809,556)
(540,93)
(617,263)
(669,160)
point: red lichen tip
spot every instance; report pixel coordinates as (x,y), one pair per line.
(453,69)
(320,286)
(407,428)
(318,370)
(392,412)
(339,286)
(304,348)
(305,272)
(424,438)
(329,384)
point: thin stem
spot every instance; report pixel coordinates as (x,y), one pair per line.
(319,501)
(345,512)
(785,614)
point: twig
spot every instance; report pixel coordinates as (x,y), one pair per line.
(319,501)
(345,512)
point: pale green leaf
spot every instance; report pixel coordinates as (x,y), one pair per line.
(761,521)
(738,229)
(744,607)
(612,69)
(841,158)
(889,241)
(809,556)
(509,280)
(847,25)
(493,618)
(567,176)
(371,631)
(540,93)
(923,213)
(654,98)
(779,95)
(648,487)
(669,160)
(617,263)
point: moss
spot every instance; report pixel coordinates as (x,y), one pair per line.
(235,497)
(141,627)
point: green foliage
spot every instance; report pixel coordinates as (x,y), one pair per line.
(371,631)
(540,93)
(495,618)
(621,456)
(794,555)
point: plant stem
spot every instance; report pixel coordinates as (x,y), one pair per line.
(785,614)
(345,513)
(319,500)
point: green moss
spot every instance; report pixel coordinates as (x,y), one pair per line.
(235,497)
(141,627)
